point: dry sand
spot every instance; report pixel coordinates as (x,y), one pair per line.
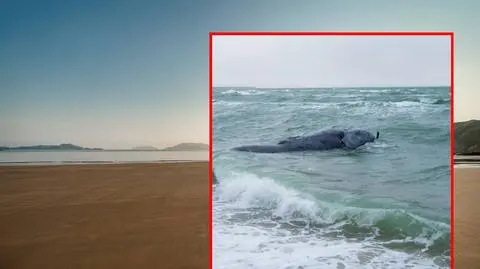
(467,218)
(105,216)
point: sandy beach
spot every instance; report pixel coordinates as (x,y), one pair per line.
(467,218)
(105,216)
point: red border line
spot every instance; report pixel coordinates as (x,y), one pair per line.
(452,152)
(452,80)
(210,121)
(332,33)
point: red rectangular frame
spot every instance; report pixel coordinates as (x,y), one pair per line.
(450,34)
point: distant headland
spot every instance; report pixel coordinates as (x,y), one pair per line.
(467,137)
(145,148)
(188,147)
(179,147)
(72,147)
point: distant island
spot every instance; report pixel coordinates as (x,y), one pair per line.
(188,147)
(179,147)
(467,137)
(145,148)
(71,147)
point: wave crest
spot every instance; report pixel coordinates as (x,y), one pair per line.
(263,199)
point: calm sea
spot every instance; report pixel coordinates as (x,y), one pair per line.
(467,161)
(90,157)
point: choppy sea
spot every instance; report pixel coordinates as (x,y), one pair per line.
(384,205)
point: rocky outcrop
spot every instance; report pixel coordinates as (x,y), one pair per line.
(467,137)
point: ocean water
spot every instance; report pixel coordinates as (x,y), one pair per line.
(89,157)
(384,205)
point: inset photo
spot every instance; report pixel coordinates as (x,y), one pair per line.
(331,151)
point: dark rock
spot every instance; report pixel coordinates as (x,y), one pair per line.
(467,137)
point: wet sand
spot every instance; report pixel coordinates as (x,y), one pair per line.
(467,218)
(105,216)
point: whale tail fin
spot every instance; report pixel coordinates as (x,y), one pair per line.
(378,134)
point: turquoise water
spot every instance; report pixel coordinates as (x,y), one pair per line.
(384,205)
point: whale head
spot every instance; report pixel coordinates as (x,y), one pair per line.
(356,138)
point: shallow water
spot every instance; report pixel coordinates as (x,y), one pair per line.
(88,157)
(384,205)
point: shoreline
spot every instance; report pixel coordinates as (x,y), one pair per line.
(138,215)
(467,218)
(96,150)
(466,160)
(63,163)
(470,165)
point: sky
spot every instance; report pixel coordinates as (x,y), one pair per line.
(118,74)
(331,61)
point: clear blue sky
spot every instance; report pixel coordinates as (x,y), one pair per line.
(331,61)
(127,73)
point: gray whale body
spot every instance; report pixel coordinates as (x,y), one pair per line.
(324,140)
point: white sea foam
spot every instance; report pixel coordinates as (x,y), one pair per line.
(263,243)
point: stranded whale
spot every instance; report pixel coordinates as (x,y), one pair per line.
(324,140)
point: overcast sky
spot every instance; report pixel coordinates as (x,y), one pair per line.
(331,61)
